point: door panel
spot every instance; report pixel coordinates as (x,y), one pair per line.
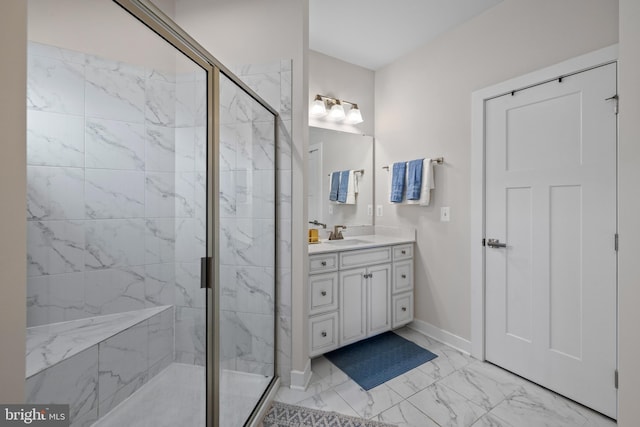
(379,291)
(551,197)
(353,298)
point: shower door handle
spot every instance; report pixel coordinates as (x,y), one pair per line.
(206,269)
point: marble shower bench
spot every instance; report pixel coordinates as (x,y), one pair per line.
(95,363)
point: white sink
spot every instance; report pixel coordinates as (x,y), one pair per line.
(347,242)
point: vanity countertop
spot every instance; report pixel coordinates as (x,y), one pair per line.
(356,242)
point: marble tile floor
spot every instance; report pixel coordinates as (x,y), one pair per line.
(452,390)
(176,397)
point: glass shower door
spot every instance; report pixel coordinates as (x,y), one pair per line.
(247,252)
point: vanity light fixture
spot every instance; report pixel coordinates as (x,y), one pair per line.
(336,112)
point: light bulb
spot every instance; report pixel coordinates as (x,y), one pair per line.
(354,116)
(317,108)
(337,112)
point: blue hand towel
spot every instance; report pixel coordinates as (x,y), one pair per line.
(414,179)
(344,186)
(397,181)
(335,182)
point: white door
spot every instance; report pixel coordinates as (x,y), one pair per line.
(551,198)
(378,294)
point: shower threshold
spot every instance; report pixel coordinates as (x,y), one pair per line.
(176,397)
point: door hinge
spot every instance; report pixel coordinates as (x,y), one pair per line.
(615,378)
(615,242)
(614,98)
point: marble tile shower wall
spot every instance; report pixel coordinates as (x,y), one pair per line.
(248,301)
(115,203)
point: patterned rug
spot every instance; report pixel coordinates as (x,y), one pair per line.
(284,415)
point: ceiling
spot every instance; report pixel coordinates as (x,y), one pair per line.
(374,33)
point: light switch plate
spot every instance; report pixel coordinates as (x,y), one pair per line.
(369,210)
(379,210)
(330,210)
(445,214)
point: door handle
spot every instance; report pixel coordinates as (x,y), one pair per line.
(495,243)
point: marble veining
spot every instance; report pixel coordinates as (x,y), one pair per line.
(74,381)
(368,403)
(405,414)
(114,194)
(55,247)
(114,290)
(55,139)
(54,85)
(51,344)
(52,193)
(160,101)
(114,90)
(112,144)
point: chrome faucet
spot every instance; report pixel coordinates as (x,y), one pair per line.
(316,222)
(336,234)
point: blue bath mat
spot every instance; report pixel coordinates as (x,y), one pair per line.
(378,359)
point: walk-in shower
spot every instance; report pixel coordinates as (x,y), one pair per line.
(151,213)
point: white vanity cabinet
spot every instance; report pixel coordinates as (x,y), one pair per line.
(358,293)
(364,302)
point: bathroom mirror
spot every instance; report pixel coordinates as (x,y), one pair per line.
(330,151)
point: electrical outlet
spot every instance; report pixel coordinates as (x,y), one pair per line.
(369,210)
(379,210)
(330,209)
(445,214)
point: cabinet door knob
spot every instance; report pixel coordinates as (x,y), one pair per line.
(404,276)
(323,293)
(324,263)
(403,252)
(323,333)
(404,308)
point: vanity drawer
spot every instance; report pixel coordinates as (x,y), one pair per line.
(363,257)
(403,252)
(323,293)
(402,276)
(323,263)
(323,333)
(402,309)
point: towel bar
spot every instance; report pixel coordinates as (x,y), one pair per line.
(360,171)
(438,160)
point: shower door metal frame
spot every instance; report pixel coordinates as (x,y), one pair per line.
(157,21)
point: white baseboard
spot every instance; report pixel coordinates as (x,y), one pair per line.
(300,379)
(441,335)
